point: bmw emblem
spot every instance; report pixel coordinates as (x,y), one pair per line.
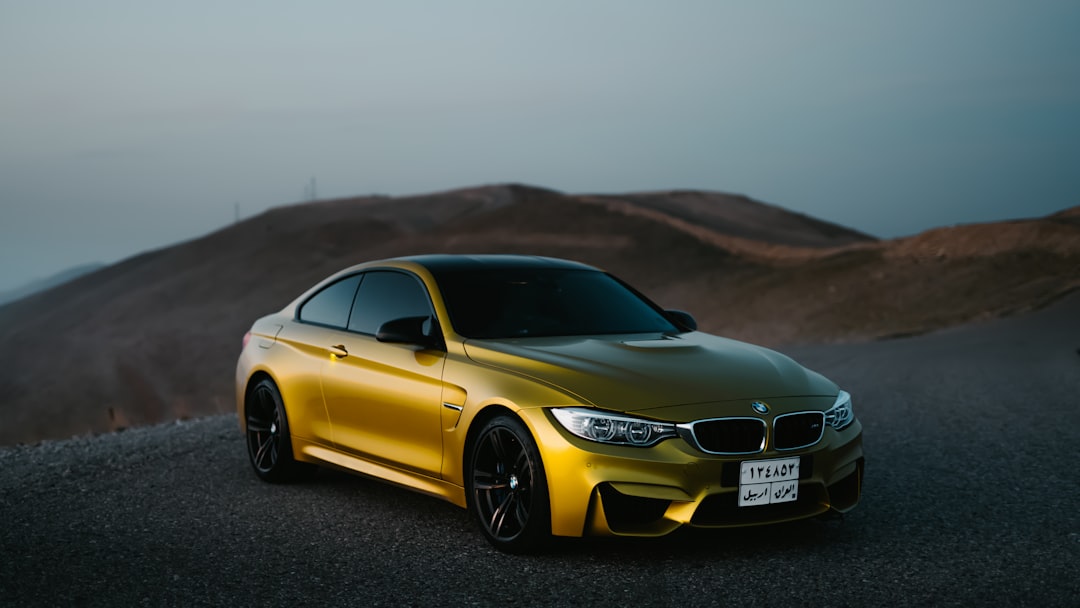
(760,407)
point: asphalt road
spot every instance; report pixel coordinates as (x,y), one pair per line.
(971,498)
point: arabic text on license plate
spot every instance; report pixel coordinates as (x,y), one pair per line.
(766,482)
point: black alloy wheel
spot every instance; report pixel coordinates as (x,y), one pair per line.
(506,486)
(268,440)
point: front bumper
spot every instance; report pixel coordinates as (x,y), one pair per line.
(600,489)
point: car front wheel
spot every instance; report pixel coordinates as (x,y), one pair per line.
(506,487)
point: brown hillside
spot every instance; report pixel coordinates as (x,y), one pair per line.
(741,217)
(156,337)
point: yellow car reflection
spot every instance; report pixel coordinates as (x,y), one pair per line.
(545,396)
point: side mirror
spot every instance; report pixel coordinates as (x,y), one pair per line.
(683,320)
(410,330)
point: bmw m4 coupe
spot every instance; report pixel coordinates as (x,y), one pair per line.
(545,396)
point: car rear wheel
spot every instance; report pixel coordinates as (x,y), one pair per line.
(506,486)
(268,440)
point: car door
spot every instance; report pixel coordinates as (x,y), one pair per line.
(384,400)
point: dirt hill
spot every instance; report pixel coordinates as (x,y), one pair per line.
(156,337)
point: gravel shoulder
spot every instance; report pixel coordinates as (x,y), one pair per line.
(971,498)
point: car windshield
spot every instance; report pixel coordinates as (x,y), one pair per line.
(530,302)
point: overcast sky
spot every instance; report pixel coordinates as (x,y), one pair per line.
(126,126)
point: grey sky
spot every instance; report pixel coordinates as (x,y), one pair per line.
(126,126)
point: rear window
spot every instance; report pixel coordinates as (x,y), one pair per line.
(332,304)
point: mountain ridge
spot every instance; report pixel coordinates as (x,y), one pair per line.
(42,284)
(155,337)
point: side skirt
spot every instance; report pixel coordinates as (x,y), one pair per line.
(318,454)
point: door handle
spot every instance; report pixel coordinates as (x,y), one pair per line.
(338,350)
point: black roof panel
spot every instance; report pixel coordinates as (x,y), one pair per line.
(446,262)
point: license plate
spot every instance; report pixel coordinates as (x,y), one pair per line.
(766,482)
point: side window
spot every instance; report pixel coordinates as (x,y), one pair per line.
(331,305)
(385,296)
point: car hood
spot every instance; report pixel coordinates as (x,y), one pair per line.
(639,373)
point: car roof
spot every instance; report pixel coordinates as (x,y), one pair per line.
(448,263)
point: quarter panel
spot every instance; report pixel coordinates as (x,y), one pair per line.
(294,363)
(278,348)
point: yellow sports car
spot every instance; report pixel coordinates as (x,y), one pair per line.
(545,396)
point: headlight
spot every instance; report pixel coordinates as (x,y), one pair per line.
(596,425)
(840,414)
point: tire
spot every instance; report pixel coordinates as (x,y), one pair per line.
(506,488)
(268,440)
